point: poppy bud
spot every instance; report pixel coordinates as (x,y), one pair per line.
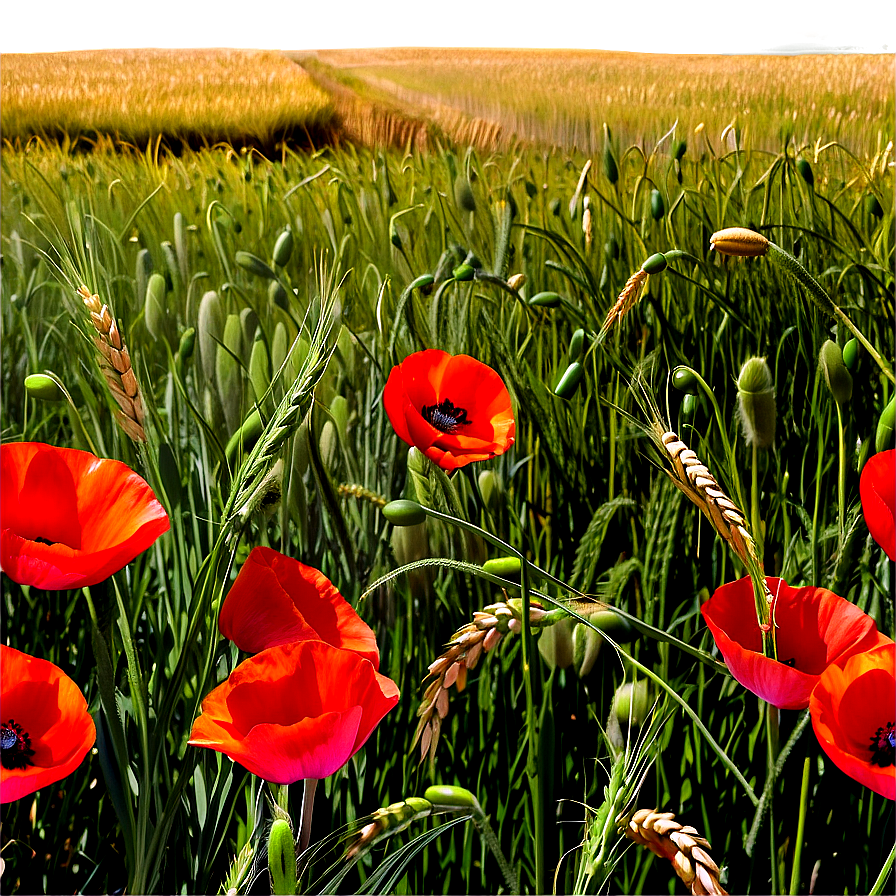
(851,354)
(254,265)
(502,566)
(447,795)
(186,345)
(657,206)
(577,345)
(491,487)
(283,247)
(277,295)
(836,376)
(517,281)
(154,307)
(210,328)
(656,264)
(282,859)
(679,148)
(873,206)
(555,644)
(684,380)
(463,272)
(245,437)
(43,387)
(631,703)
(545,300)
(586,645)
(463,194)
(884,437)
(570,380)
(756,402)
(404,513)
(739,242)
(805,171)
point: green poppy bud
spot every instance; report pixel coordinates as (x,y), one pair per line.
(655,264)
(679,148)
(570,380)
(756,402)
(245,437)
(187,344)
(805,171)
(404,513)
(491,487)
(657,206)
(545,300)
(885,426)
(422,282)
(254,265)
(278,295)
(837,377)
(154,308)
(503,566)
(447,795)
(43,387)
(282,859)
(632,702)
(283,247)
(463,272)
(873,206)
(689,406)
(851,354)
(555,643)
(577,345)
(610,168)
(463,194)
(684,380)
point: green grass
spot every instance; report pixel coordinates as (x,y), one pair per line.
(657,559)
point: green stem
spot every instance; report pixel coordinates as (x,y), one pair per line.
(754,503)
(841,478)
(878,887)
(771,738)
(800,829)
(488,835)
(307,809)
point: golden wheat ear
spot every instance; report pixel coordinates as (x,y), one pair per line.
(115,364)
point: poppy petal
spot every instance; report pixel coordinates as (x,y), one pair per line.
(50,708)
(813,628)
(854,697)
(298,710)
(69,518)
(877,489)
(276,600)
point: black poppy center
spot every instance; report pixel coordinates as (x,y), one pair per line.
(883,746)
(444,416)
(15,746)
(41,540)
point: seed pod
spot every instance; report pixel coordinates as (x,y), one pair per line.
(873,206)
(805,171)
(837,377)
(142,272)
(569,382)
(756,402)
(555,643)
(657,206)
(502,566)
(577,345)
(43,387)
(851,354)
(283,247)
(545,300)
(463,194)
(463,272)
(883,440)
(610,168)
(656,264)
(447,795)
(422,282)
(154,308)
(586,644)
(259,369)
(491,487)
(277,295)
(739,242)
(245,437)
(679,148)
(282,859)
(684,380)
(210,328)
(689,406)
(254,265)
(404,513)
(173,266)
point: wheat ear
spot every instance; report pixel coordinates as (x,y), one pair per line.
(115,364)
(681,845)
(628,298)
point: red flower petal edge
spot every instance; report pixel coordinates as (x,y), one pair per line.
(853,710)
(814,627)
(455,409)
(276,600)
(45,728)
(295,711)
(69,518)
(877,488)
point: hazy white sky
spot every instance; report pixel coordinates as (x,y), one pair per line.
(671,26)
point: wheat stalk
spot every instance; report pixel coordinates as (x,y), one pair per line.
(681,844)
(116,367)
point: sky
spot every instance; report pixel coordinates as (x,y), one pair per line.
(650,26)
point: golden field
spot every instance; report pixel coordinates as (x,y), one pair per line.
(134,95)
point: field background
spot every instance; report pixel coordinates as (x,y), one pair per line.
(386,165)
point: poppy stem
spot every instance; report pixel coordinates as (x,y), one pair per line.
(878,887)
(800,828)
(307,809)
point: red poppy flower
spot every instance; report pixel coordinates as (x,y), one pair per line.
(300,710)
(277,600)
(68,518)
(853,710)
(814,627)
(877,488)
(455,409)
(45,731)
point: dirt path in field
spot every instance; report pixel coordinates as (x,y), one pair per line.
(378,113)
